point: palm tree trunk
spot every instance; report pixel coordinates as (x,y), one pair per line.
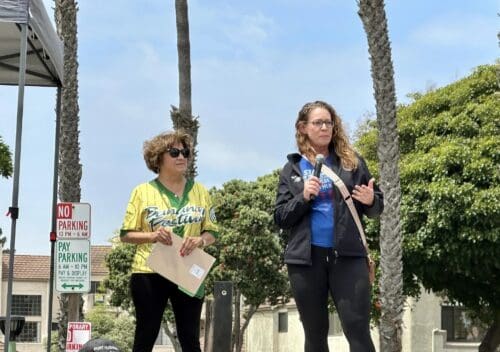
(62,318)
(184,56)
(372,14)
(182,118)
(70,169)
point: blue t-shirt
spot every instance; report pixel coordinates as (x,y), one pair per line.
(322,226)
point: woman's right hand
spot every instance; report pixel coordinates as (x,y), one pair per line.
(162,235)
(311,187)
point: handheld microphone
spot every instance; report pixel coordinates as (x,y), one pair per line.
(317,169)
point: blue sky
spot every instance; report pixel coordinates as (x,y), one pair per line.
(254,64)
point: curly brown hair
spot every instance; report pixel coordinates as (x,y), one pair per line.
(154,148)
(339,143)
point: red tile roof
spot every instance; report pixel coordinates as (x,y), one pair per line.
(37,267)
(97,260)
(27,267)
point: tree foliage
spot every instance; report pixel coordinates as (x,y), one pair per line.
(5,171)
(450,154)
(248,250)
(113,325)
(119,263)
(5,160)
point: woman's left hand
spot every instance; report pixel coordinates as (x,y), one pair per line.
(190,243)
(364,193)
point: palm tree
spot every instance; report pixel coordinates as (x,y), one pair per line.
(70,169)
(372,14)
(182,117)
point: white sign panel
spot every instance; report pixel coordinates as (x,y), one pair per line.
(72,266)
(73,220)
(78,334)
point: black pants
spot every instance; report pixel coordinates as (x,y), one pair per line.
(150,293)
(346,278)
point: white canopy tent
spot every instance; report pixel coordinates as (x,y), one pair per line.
(44,61)
(30,54)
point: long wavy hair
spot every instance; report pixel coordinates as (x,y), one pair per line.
(339,143)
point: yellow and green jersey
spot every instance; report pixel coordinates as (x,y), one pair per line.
(151,205)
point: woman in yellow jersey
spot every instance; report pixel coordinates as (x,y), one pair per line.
(170,204)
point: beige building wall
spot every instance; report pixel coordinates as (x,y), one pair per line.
(419,319)
(263,333)
(263,323)
(439,344)
(32,288)
(421,330)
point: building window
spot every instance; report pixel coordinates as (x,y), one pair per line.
(283,322)
(459,325)
(99,299)
(27,305)
(30,333)
(94,287)
(334,327)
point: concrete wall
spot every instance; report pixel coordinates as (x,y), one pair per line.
(439,343)
(420,319)
(421,330)
(263,336)
(263,323)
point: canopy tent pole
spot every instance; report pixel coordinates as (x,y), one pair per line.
(14,210)
(54,216)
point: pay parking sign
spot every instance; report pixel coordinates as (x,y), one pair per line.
(73,266)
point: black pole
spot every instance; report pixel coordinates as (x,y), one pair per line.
(54,217)
(223,316)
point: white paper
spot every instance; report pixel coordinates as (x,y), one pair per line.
(197,271)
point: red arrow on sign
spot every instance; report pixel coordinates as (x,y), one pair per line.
(70,334)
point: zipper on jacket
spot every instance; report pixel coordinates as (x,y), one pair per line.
(336,255)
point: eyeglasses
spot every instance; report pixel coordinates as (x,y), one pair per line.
(320,123)
(174,152)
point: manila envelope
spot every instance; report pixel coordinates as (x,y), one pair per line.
(187,272)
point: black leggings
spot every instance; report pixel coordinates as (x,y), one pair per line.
(346,278)
(150,293)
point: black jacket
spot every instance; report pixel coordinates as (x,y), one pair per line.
(292,212)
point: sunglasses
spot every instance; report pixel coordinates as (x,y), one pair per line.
(174,152)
